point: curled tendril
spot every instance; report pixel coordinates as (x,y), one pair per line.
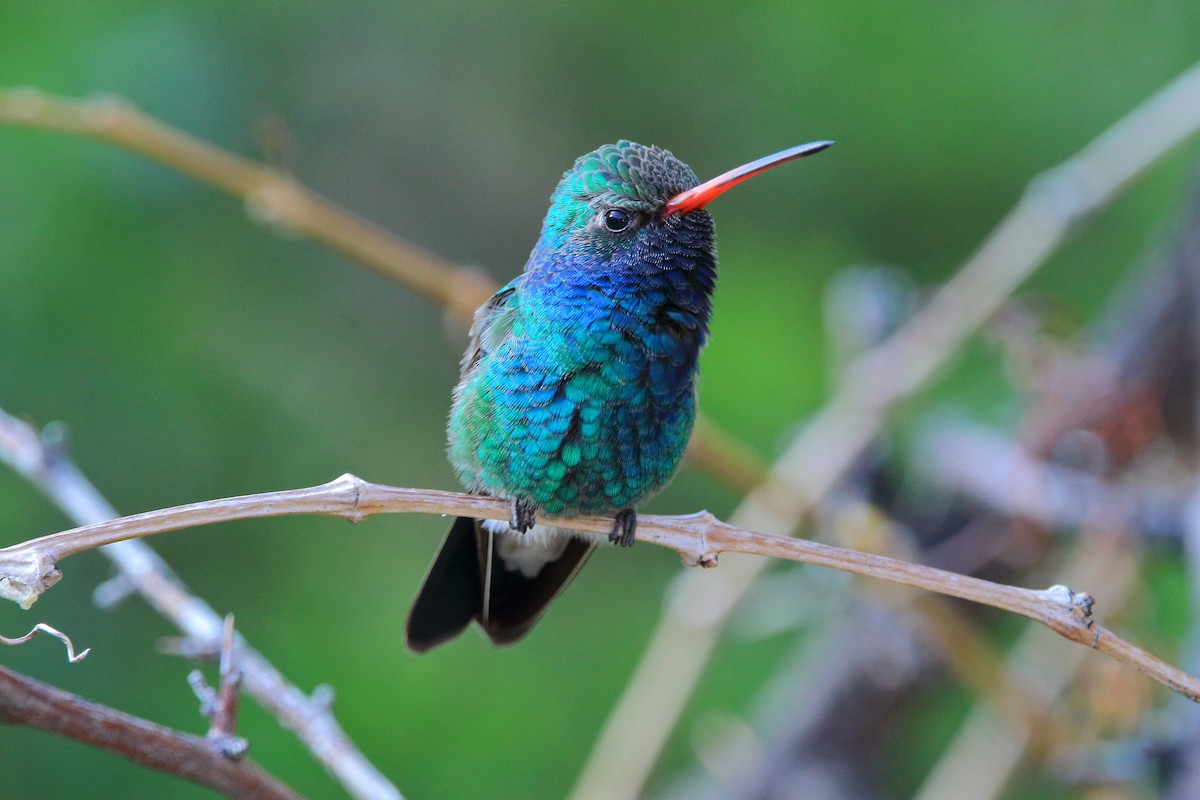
(42,627)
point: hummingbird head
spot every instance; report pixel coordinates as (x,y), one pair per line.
(639,207)
(611,200)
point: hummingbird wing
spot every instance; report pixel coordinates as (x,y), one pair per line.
(501,580)
(493,322)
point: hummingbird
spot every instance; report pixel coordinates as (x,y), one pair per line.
(578,389)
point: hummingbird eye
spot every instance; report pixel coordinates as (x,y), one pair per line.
(615,220)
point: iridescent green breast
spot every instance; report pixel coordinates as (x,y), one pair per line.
(578,393)
(590,419)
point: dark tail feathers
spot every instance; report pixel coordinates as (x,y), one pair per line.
(452,594)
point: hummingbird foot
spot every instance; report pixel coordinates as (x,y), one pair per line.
(524,516)
(625,528)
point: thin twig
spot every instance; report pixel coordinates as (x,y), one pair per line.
(1053,203)
(310,718)
(219,706)
(272,195)
(24,701)
(224,720)
(275,197)
(816,713)
(698,538)
(989,748)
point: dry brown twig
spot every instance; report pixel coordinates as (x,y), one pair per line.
(24,701)
(989,747)
(271,195)
(275,197)
(876,382)
(29,568)
(309,718)
(220,705)
(848,422)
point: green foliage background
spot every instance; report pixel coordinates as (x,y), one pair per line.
(195,354)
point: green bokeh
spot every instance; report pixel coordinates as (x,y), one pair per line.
(195,354)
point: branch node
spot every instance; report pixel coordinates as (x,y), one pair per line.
(231,747)
(219,706)
(1071,614)
(25,580)
(322,698)
(274,203)
(353,486)
(55,438)
(223,742)
(224,720)
(1078,604)
(103,112)
(702,520)
(700,556)
(706,557)
(693,546)
(706,522)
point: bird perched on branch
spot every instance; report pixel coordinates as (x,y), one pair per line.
(578,390)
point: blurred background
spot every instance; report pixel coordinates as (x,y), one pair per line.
(193,353)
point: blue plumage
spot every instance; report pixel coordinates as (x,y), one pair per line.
(578,390)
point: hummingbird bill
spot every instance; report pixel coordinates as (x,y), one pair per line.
(578,389)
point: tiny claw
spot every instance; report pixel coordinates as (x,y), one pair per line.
(524,515)
(624,529)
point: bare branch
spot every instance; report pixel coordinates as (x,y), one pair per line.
(220,705)
(273,196)
(42,627)
(988,748)
(698,538)
(224,720)
(1052,205)
(24,701)
(874,384)
(41,460)
(858,426)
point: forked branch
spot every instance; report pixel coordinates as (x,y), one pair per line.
(24,701)
(41,459)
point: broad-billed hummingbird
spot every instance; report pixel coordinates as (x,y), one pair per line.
(578,390)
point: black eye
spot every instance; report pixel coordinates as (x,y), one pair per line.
(616,220)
